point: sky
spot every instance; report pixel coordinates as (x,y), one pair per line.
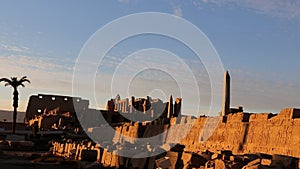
(256,40)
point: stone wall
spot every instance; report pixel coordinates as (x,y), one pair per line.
(239,133)
(263,133)
(39,103)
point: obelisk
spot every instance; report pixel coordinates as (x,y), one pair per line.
(226,95)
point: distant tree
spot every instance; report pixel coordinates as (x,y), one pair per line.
(15,83)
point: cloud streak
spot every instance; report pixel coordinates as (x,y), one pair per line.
(46,75)
(258,92)
(177,11)
(288,9)
(11,48)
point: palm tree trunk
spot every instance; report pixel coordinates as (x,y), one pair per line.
(14,120)
(15,105)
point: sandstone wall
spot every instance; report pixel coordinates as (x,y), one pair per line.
(259,133)
(241,133)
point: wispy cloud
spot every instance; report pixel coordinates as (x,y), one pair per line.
(46,75)
(260,92)
(177,11)
(289,9)
(126,1)
(13,48)
(16,63)
(152,69)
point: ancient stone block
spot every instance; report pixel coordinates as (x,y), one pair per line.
(209,164)
(178,148)
(225,157)
(226,152)
(151,162)
(114,160)
(255,166)
(89,155)
(285,160)
(216,156)
(163,163)
(266,162)
(207,155)
(173,120)
(106,158)
(236,159)
(296,113)
(260,117)
(257,161)
(219,164)
(238,117)
(186,158)
(236,166)
(173,157)
(197,160)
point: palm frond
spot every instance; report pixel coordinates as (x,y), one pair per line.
(22,80)
(7,81)
(14,82)
(24,77)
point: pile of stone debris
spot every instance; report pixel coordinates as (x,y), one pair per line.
(225,160)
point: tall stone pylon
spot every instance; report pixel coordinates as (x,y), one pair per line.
(170,107)
(131,105)
(226,94)
(177,107)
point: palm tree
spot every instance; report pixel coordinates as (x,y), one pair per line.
(15,83)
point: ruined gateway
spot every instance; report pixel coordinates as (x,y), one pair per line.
(238,140)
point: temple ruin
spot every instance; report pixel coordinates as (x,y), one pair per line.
(239,140)
(142,109)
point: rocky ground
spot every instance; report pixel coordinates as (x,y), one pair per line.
(41,160)
(226,160)
(172,160)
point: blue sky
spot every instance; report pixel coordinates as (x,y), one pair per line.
(257,41)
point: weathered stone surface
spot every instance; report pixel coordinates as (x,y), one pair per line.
(186,157)
(219,164)
(264,133)
(93,166)
(114,160)
(237,159)
(207,155)
(198,160)
(89,155)
(225,157)
(236,166)
(216,156)
(285,160)
(164,163)
(255,166)
(257,161)
(173,157)
(151,163)
(138,163)
(209,164)
(267,162)
(106,158)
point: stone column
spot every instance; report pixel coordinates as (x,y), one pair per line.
(126,105)
(170,107)
(177,107)
(131,105)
